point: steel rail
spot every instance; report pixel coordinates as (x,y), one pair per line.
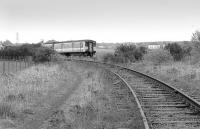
(187,99)
(144,119)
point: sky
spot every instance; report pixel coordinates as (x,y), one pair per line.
(100,20)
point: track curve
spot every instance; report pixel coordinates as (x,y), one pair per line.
(163,106)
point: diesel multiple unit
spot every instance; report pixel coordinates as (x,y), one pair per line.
(74,47)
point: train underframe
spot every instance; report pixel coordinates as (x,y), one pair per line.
(79,53)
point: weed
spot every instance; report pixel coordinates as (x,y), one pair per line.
(6,110)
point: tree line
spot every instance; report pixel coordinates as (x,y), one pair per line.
(38,52)
(131,53)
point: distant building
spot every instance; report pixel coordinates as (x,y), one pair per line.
(101,47)
(154,46)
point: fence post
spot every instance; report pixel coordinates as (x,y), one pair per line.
(8,65)
(20,65)
(3,66)
(15,63)
(25,63)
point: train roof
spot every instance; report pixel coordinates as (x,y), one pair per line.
(69,41)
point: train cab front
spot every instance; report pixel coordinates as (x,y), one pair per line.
(90,46)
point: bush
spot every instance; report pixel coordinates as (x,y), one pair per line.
(177,51)
(129,53)
(158,57)
(196,36)
(42,54)
(36,51)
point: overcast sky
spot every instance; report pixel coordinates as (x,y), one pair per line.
(100,20)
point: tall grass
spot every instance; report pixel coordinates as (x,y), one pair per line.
(22,91)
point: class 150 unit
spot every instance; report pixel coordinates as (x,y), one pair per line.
(73,47)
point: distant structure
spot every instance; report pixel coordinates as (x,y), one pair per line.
(17,37)
(154,47)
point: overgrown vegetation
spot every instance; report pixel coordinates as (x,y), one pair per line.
(196,36)
(31,90)
(177,63)
(126,53)
(38,52)
(158,57)
(177,51)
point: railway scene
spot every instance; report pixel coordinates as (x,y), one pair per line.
(109,64)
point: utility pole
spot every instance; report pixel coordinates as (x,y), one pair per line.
(17,37)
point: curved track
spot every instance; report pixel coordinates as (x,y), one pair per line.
(161,105)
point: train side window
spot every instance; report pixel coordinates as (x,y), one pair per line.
(67,45)
(48,45)
(94,44)
(76,44)
(57,46)
(86,44)
(81,44)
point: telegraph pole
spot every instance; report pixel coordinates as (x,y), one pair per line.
(17,37)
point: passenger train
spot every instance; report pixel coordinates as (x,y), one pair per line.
(74,47)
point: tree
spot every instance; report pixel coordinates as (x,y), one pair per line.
(129,52)
(176,51)
(38,52)
(7,43)
(196,40)
(196,36)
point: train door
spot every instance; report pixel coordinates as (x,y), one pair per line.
(90,48)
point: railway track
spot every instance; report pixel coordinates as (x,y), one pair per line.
(126,103)
(161,105)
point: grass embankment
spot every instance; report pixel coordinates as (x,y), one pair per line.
(182,75)
(25,93)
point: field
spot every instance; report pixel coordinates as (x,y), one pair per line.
(31,91)
(70,95)
(58,91)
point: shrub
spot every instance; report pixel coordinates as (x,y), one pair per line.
(128,53)
(196,36)
(158,57)
(42,54)
(177,51)
(36,51)
(6,110)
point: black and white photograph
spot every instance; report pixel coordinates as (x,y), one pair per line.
(99,64)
